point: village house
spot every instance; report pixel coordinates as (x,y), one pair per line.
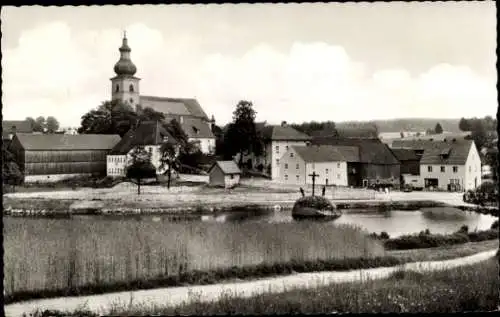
(224,173)
(377,165)
(329,162)
(150,135)
(277,140)
(52,157)
(450,164)
(187,111)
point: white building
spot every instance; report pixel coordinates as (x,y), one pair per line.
(329,162)
(452,165)
(149,135)
(194,121)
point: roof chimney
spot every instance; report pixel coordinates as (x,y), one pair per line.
(283,123)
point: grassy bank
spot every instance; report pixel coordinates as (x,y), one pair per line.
(468,288)
(74,256)
(96,263)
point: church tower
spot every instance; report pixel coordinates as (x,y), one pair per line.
(125,86)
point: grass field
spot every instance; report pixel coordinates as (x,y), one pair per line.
(70,253)
(468,288)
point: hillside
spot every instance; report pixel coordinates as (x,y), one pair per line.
(406,124)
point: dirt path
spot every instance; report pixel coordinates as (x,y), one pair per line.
(177,295)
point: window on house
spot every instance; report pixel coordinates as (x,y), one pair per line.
(286,177)
(286,166)
(455,169)
(117,88)
(277,161)
(297,166)
(291,154)
(286,148)
(131,100)
(277,148)
(442,169)
(232,176)
(131,88)
(150,149)
(429,169)
(297,176)
(326,171)
(338,165)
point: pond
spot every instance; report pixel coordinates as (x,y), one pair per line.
(395,222)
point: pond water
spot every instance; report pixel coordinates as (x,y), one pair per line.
(438,220)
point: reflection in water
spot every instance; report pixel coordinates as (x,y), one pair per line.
(394,222)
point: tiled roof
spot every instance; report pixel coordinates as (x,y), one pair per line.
(405,154)
(371,151)
(282,133)
(147,133)
(47,142)
(196,128)
(227,167)
(327,153)
(453,153)
(174,106)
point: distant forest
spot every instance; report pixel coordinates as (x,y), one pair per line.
(409,124)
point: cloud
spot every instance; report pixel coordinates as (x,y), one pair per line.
(57,71)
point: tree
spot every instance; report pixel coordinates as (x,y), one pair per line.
(242,135)
(111,117)
(438,129)
(478,134)
(140,167)
(11,173)
(168,158)
(464,125)
(52,124)
(149,114)
(37,124)
(401,134)
(32,123)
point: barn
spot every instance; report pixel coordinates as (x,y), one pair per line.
(377,165)
(224,173)
(51,157)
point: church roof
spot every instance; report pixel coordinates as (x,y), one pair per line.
(174,106)
(124,66)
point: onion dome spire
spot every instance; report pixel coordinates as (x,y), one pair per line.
(125,66)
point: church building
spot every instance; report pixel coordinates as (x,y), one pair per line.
(187,111)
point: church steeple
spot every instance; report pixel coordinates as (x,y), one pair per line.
(125,67)
(125,86)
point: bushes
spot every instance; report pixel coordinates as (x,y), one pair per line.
(317,202)
(495,225)
(427,240)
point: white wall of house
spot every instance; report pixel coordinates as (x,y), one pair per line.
(232,180)
(275,150)
(116,164)
(413,180)
(207,145)
(334,172)
(450,174)
(292,168)
(473,169)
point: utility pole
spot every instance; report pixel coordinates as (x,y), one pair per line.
(313,175)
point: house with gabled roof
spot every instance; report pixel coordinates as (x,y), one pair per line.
(188,112)
(330,163)
(447,164)
(52,157)
(377,165)
(149,135)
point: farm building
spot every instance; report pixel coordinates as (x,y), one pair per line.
(328,162)
(376,165)
(410,166)
(51,157)
(150,135)
(225,174)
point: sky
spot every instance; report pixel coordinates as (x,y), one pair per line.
(295,62)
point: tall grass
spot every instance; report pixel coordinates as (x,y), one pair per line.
(54,254)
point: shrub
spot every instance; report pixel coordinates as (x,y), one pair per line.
(317,202)
(494,225)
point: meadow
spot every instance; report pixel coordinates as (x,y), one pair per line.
(54,255)
(467,288)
